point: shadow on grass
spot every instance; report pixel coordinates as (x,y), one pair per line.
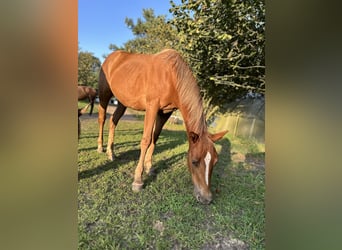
(169,139)
(131,132)
(225,154)
(162,165)
(117,146)
(174,138)
(88,136)
(219,172)
(124,158)
(224,157)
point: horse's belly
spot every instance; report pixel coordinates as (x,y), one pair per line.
(168,108)
(140,103)
(134,102)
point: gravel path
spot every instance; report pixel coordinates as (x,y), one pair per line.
(110,110)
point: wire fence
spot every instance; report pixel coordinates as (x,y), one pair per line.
(243,126)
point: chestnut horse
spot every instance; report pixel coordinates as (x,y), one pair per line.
(158,84)
(86,92)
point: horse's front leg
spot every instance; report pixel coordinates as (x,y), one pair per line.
(150,117)
(160,121)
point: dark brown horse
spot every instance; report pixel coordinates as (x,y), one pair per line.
(158,84)
(86,92)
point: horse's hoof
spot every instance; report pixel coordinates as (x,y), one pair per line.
(151,171)
(100,150)
(137,187)
(110,155)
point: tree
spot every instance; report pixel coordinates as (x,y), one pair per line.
(152,34)
(88,69)
(224,43)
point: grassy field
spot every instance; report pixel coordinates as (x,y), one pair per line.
(165,215)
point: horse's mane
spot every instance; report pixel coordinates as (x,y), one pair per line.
(188,90)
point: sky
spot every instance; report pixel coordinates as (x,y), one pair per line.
(102,22)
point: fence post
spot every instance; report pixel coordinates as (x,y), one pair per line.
(227,122)
(252,128)
(236,125)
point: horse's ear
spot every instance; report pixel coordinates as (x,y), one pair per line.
(217,136)
(193,137)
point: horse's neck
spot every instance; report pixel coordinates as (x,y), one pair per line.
(190,100)
(194,119)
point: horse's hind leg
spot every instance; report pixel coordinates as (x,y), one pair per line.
(114,119)
(101,120)
(104,95)
(160,121)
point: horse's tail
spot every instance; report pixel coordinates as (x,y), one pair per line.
(92,98)
(104,92)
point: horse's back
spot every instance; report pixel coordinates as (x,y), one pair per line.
(137,78)
(81,93)
(86,92)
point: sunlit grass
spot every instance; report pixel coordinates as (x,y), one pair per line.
(165,214)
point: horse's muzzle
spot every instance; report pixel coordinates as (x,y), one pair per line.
(203,198)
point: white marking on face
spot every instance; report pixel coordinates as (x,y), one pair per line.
(207,161)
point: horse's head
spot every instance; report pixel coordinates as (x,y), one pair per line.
(202,157)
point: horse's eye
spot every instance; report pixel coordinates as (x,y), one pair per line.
(195,163)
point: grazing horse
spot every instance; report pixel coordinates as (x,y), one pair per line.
(158,84)
(86,92)
(81,112)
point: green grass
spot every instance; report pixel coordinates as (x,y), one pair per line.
(165,215)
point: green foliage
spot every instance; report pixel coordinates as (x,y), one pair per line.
(88,69)
(152,34)
(224,42)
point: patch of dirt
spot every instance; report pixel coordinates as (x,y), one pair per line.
(238,157)
(226,243)
(251,161)
(256,160)
(159,226)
